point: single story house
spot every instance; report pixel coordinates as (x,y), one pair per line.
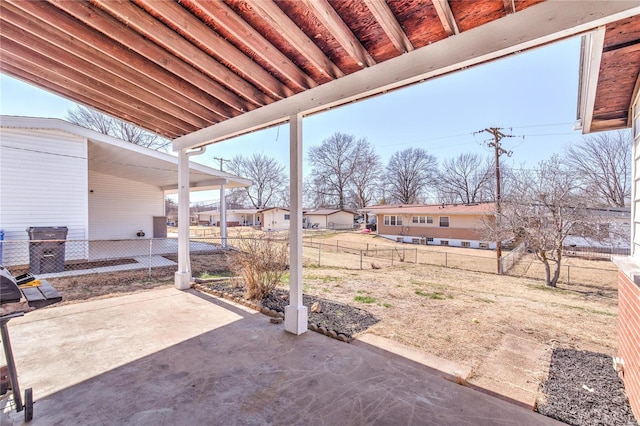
(460,225)
(235,217)
(54,173)
(328,219)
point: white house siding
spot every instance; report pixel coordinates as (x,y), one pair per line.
(43,182)
(340,220)
(635,206)
(119,208)
(274,219)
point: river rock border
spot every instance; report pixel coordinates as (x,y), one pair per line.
(266,311)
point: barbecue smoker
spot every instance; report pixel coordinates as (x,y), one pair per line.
(19,295)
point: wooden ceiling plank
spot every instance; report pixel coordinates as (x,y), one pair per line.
(224,17)
(88,98)
(149,27)
(20,56)
(193,29)
(327,15)
(509,6)
(390,25)
(281,23)
(112,29)
(55,45)
(446,16)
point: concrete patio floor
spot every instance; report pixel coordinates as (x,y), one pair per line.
(167,357)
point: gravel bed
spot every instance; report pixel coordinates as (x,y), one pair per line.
(341,318)
(583,389)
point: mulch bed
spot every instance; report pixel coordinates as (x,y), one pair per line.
(334,318)
(584,389)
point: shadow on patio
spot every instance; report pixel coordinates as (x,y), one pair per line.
(166,357)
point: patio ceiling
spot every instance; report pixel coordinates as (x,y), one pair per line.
(184,69)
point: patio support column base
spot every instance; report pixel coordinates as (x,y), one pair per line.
(295,319)
(182,280)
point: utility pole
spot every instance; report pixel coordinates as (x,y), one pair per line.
(222,160)
(498,135)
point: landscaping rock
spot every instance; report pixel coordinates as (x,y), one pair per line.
(276,320)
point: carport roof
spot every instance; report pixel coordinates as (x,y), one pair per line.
(199,72)
(126,160)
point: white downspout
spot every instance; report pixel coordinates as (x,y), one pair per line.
(223,217)
(183,274)
(296,314)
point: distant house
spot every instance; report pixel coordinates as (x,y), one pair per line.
(275,219)
(439,224)
(235,217)
(54,173)
(609,232)
(329,219)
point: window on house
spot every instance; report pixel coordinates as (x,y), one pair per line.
(415,240)
(422,219)
(465,244)
(399,239)
(483,245)
(393,220)
(287,217)
(429,219)
(415,219)
(444,242)
(444,221)
(429,239)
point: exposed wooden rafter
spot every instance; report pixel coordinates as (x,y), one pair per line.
(323,11)
(281,23)
(446,17)
(509,6)
(390,25)
(224,17)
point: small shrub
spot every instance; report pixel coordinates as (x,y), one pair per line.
(262,263)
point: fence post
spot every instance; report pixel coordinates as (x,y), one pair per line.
(391,257)
(446,261)
(319,249)
(568,275)
(416,255)
(150,254)
(403,255)
(361,260)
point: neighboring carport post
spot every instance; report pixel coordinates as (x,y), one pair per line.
(223,217)
(183,275)
(295,319)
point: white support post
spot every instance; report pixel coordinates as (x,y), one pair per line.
(183,275)
(223,217)
(295,314)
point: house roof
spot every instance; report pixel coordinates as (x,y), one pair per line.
(609,75)
(326,212)
(123,159)
(199,72)
(433,209)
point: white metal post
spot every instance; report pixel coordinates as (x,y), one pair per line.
(183,275)
(296,314)
(223,217)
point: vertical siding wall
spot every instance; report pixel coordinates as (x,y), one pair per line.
(43,182)
(119,208)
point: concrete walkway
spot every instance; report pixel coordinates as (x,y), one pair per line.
(167,357)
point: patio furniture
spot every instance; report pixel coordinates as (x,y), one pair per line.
(19,295)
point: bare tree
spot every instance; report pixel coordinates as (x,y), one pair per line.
(545,208)
(95,120)
(603,166)
(465,179)
(268,177)
(410,174)
(366,177)
(333,165)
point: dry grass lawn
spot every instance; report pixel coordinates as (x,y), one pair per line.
(455,314)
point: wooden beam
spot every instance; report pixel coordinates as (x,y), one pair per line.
(509,6)
(38,77)
(48,22)
(323,11)
(20,57)
(532,27)
(390,25)
(85,60)
(281,23)
(207,40)
(225,18)
(446,17)
(169,40)
(104,23)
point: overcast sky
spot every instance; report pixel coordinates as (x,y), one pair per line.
(533,95)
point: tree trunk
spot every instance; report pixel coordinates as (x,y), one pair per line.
(547,273)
